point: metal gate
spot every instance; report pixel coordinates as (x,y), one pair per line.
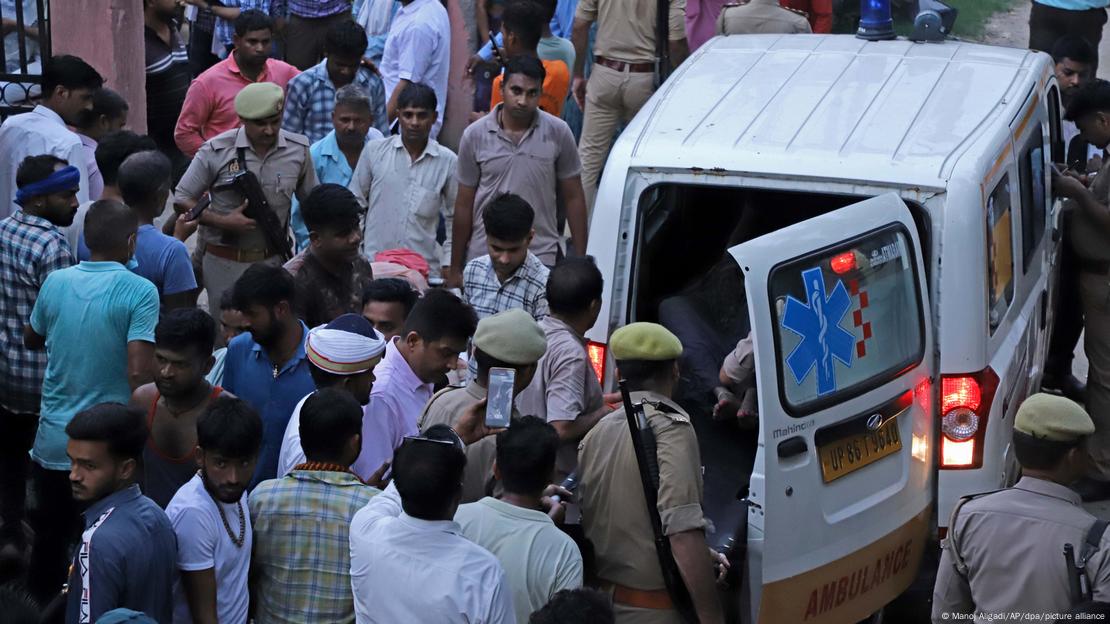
(26,40)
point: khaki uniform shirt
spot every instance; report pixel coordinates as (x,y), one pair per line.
(626,28)
(564,388)
(614,512)
(445,408)
(760,17)
(286,169)
(1087,237)
(1012,543)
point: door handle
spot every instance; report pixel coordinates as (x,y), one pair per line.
(792,446)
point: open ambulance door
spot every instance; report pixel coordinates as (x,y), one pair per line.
(841,492)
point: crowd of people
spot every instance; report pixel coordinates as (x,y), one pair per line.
(246,355)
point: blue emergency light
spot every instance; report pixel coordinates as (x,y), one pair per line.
(875,21)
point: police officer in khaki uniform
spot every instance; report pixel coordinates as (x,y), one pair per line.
(1004,551)
(623,75)
(761,17)
(1090,234)
(611,496)
(509,339)
(232,241)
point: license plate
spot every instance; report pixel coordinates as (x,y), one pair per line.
(849,454)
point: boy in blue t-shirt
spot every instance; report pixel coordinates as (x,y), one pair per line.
(144,184)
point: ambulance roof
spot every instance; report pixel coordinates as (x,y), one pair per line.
(831,106)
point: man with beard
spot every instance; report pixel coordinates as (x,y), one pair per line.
(233,241)
(209,108)
(127,551)
(518,148)
(267,366)
(210,519)
(96,321)
(301,569)
(311,96)
(343,355)
(337,154)
(331,274)
(436,331)
(1074,59)
(32,245)
(183,343)
(68,84)
(406,184)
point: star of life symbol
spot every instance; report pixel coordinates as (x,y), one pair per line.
(818,324)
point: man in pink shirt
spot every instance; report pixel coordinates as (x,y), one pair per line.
(209,107)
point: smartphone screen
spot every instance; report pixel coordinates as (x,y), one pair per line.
(499,407)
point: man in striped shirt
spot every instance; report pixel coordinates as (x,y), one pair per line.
(167,74)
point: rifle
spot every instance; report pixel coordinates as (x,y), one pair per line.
(662,42)
(1079,583)
(247,185)
(647,461)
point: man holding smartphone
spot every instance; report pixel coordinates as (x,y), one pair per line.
(281,161)
(506,347)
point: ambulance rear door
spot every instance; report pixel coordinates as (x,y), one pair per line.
(841,493)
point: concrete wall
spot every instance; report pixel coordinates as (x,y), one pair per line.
(108,34)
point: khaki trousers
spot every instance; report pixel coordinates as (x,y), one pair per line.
(612,99)
(1095,292)
(220,275)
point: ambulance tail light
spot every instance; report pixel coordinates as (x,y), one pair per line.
(596,352)
(965,404)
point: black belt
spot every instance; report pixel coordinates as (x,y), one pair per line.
(1098,267)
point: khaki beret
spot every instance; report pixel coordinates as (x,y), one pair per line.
(512,336)
(1049,417)
(259,100)
(644,341)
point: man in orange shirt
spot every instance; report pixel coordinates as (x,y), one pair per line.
(819,13)
(521,28)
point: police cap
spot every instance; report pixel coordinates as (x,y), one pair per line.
(1054,418)
(259,100)
(512,336)
(645,341)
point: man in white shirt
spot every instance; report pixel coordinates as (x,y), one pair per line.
(436,331)
(418,49)
(343,355)
(539,559)
(68,84)
(209,516)
(408,561)
(406,182)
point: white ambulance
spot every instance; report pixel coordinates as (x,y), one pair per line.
(878,215)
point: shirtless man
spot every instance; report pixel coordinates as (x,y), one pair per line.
(179,394)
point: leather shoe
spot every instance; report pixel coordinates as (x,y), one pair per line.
(1066,386)
(1092,489)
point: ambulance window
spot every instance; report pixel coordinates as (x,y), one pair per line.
(1033,198)
(848,319)
(1000,252)
(1056,144)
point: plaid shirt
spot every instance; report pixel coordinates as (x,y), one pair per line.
(225,29)
(526,288)
(302,553)
(311,8)
(310,99)
(30,249)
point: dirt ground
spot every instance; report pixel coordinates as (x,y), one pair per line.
(1011,28)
